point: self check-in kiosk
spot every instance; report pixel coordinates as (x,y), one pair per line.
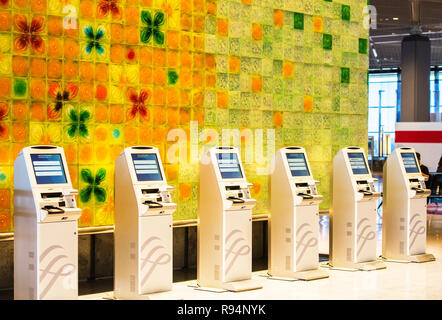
(45,226)
(224,258)
(354,211)
(404,233)
(143,225)
(294,223)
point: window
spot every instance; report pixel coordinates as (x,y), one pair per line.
(384,95)
(384,103)
(435,97)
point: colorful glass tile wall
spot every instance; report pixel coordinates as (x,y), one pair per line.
(126,72)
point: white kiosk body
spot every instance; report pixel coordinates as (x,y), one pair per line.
(404,233)
(294,224)
(224,259)
(143,224)
(353,216)
(45,226)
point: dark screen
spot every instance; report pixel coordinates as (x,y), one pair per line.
(48,168)
(147,167)
(229,166)
(357,163)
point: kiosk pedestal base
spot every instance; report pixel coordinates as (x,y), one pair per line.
(311,275)
(234,286)
(372,265)
(307,275)
(362,266)
(420,258)
(243,285)
(270,277)
(209,289)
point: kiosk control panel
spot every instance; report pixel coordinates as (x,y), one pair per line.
(225,223)
(45,226)
(404,230)
(143,224)
(353,217)
(294,224)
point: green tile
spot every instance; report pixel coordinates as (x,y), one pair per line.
(327,41)
(345,75)
(345,12)
(298,21)
(363,46)
(172,76)
(20,87)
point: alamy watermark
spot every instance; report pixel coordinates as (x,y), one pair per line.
(370,18)
(259,145)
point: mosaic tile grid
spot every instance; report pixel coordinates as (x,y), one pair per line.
(126,72)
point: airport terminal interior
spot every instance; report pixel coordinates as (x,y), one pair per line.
(220,150)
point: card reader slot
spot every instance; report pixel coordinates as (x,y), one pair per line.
(149,191)
(153,204)
(53,209)
(229,188)
(47,195)
(236,199)
(362,182)
(302,185)
(305,196)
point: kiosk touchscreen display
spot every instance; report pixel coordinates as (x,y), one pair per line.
(229,166)
(147,167)
(48,168)
(410,163)
(298,165)
(357,163)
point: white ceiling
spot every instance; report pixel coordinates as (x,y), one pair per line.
(386,39)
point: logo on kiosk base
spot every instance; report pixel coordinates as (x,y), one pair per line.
(306,240)
(160,259)
(417,228)
(55,269)
(364,234)
(238,247)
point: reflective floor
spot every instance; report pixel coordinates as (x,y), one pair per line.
(397,281)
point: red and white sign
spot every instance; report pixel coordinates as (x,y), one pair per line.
(424,137)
